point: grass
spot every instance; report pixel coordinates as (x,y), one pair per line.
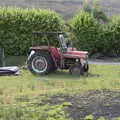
(21,95)
(100,77)
(15,60)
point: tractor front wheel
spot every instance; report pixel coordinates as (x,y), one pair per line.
(40,63)
(76,69)
(86,68)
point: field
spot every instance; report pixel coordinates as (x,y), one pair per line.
(60,96)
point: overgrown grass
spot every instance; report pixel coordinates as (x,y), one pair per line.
(99,77)
(15,60)
(22,94)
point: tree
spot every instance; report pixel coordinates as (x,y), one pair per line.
(93,6)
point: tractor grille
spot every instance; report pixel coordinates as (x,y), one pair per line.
(70,61)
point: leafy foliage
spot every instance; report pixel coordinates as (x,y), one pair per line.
(111,36)
(96,37)
(87,31)
(94,8)
(32,111)
(16,26)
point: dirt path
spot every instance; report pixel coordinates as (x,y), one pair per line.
(97,103)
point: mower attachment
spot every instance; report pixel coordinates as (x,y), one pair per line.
(9,71)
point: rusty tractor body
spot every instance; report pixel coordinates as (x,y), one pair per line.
(46,59)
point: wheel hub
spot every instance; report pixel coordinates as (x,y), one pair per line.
(39,64)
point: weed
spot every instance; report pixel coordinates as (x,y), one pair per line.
(101,118)
(89,117)
(23,98)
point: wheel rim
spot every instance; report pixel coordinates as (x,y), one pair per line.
(39,64)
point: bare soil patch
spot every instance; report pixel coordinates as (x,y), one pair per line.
(104,103)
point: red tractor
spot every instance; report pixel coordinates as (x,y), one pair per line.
(45,59)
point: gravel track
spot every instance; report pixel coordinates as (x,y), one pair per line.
(103,62)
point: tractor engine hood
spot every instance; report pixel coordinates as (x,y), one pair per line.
(76,54)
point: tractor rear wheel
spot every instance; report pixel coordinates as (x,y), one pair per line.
(40,63)
(76,69)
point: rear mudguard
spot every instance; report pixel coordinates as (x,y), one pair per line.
(33,52)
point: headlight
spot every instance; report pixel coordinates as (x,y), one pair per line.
(77,60)
(84,61)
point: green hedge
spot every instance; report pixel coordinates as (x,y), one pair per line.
(16,26)
(96,37)
(111,36)
(87,30)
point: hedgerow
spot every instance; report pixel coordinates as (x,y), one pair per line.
(17,25)
(111,36)
(97,37)
(86,30)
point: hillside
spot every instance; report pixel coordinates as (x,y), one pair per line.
(67,8)
(111,7)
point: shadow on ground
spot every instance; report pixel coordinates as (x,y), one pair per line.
(66,74)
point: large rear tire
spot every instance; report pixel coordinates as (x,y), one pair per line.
(40,63)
